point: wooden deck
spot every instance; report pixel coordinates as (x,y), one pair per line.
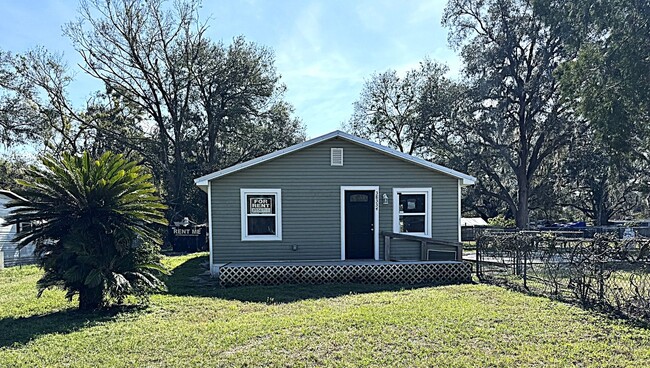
(430,248)
(352,271)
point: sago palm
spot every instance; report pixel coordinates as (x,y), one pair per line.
(93,226)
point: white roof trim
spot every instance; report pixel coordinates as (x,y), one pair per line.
(466,179)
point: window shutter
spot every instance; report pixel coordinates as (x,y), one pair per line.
(336,158)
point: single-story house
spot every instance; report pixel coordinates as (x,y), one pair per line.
(10,253)
(337,197)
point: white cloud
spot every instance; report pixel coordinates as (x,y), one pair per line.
(427,11)
(307,28)
(322,89)
(371,16)
(320,77)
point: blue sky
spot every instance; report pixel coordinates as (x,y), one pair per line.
(324,49)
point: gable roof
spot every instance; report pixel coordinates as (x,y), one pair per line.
(466,179)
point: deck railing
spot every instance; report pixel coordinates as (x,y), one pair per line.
(426,245)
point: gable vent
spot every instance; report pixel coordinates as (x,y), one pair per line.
(336,158)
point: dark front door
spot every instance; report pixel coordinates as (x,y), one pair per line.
(359,224)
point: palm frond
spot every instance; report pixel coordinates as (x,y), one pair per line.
(93,223)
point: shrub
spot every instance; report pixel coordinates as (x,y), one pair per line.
(501,221)
(93,226)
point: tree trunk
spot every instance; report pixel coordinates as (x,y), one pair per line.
(521,216)
(600,201)
(212,137)
(179,179)
(91,298)
(602,213)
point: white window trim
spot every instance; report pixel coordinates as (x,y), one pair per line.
(427,213)
(244,215)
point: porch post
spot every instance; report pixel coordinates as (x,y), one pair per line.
(386,248)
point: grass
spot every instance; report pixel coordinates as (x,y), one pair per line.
(626,286)
(198,324)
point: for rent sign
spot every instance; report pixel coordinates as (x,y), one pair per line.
(260,205)
(189,231)
(188,238)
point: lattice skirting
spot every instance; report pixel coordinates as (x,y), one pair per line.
(391,273)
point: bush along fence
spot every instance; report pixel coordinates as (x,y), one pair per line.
(470,233)
(604,272)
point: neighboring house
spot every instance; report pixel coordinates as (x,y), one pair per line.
(337,197)
(12,255)
(468,227)
(472,222)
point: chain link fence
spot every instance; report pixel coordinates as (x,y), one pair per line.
(604,272)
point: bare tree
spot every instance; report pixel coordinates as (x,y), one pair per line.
(143,51)
(202,105)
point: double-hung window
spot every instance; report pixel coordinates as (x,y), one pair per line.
(412,211)
(261,214)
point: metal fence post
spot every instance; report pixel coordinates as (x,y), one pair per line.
(478,258)
(525,260)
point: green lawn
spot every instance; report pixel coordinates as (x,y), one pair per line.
(197,324)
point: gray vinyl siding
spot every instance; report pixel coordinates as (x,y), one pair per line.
(311,202)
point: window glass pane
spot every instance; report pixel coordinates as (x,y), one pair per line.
(411,224)
(359,198)
(261,225)
(412,203)
(261,204)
